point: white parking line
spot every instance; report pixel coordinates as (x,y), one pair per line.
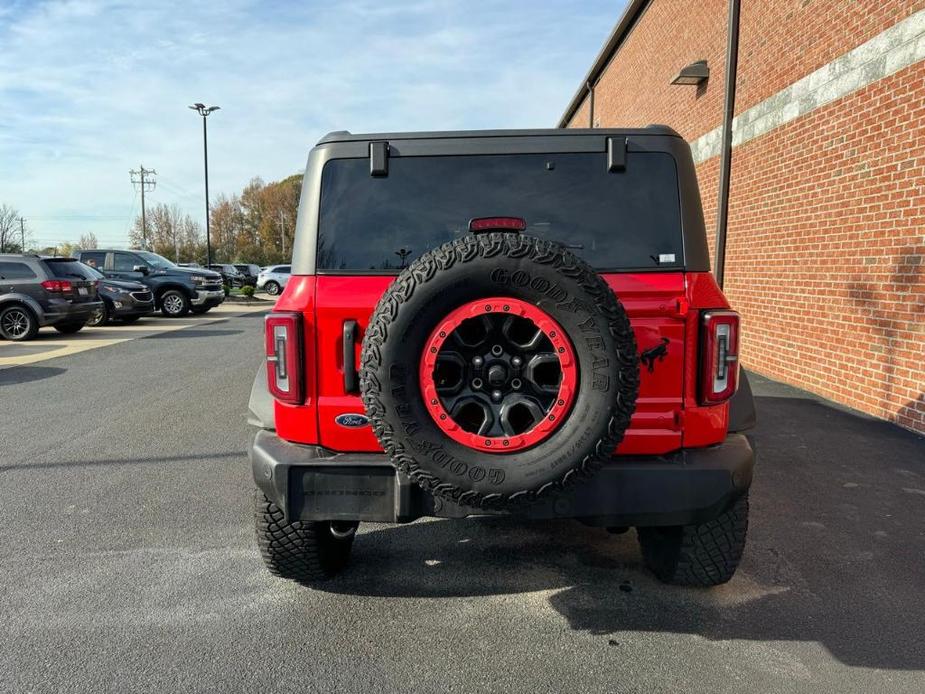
(49,344)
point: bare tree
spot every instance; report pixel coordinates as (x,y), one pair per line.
(87,241)
(171,233)
(10,230)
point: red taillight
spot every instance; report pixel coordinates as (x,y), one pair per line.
(719,356)
(284,357)
(57,285)
(497,224)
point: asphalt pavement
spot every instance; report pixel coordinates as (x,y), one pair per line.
(127,558)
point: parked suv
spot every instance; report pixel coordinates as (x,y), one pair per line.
(177,290)
(230,274)
(503,323)
(36,291)
(250,272)
(273,278)
(122,300)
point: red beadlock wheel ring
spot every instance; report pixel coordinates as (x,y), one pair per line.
(561,401)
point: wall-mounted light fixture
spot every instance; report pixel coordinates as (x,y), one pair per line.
(695,73)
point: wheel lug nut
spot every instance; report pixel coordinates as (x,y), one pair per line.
(477,362)
(497,350)
(477,383)
(496,395)
(515,384)
(516,361)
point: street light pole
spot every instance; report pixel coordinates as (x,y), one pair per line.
(204,111)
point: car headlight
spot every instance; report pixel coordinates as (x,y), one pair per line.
(115,290)
(198,279)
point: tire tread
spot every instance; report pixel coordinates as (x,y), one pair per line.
(706,554)
(299,550)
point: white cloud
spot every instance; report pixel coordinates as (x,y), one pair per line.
(92,88)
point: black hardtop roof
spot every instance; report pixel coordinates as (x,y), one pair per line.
(346,136)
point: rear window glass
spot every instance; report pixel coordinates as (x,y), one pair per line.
(623,220)
(68,268)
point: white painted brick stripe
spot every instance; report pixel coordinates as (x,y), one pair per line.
(901,45)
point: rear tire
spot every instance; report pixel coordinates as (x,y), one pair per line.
(174,304)
(17,323)
(704,555)
(303,551)
(271,288)
(69,328)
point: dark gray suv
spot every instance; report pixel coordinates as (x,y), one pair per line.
(36,292)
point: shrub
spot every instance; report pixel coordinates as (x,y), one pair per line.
(247,291)
(227,289)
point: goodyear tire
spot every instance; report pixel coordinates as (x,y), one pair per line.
(498,369)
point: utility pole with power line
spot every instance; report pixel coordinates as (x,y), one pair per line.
(22,232)
(143,180)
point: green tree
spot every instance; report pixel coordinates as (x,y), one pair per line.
(262,220)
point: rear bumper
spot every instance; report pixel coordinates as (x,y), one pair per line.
(690,486)
(61,311)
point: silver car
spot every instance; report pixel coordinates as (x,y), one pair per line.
(273,278)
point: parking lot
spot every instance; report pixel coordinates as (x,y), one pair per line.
(49,344)
(127,559)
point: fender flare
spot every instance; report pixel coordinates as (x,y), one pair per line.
(159,290)
(27,301)
(261,413)
(742,414)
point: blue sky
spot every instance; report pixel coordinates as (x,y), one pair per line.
(92,88)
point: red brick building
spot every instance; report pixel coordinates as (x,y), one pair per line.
(825,251)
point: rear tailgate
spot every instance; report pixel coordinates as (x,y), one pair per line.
(651,300)
(654,302)
(78,286)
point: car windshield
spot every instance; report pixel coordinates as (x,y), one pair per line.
(620,220)
(156,261)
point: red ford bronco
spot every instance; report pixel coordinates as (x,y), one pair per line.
(503,322)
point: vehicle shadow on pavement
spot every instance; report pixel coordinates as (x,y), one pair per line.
(835,551)
(153,460)
(28,374)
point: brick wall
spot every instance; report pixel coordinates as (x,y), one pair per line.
(826,247)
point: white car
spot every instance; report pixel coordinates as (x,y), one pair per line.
(273,278)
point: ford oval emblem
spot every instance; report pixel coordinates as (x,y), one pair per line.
(352,420)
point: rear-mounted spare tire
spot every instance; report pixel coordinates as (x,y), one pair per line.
(497,369)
